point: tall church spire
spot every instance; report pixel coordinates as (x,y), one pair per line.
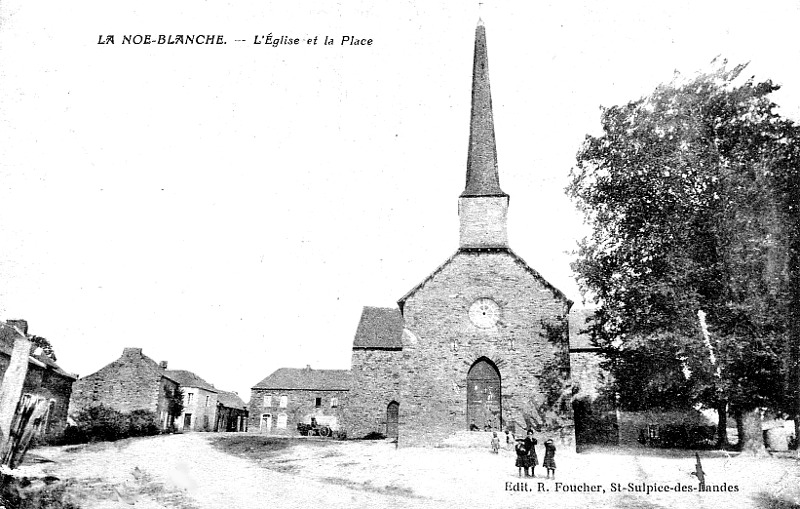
(482,178)
(483,206)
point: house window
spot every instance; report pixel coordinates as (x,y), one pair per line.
(284,401)
(189,398)
(334,402)
(267,401)
(317,402)
(282,418)
(208,398)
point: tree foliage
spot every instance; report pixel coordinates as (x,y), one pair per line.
(692,194)
(44,344)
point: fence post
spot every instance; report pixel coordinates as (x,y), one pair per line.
(11,388)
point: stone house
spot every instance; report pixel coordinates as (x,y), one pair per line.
(482,342)
(132,382)
(289,396)
(44,379)
(199,401)
(231,412)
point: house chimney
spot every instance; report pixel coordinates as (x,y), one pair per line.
(308,367)
(132,351)
(22,325)
(163,364)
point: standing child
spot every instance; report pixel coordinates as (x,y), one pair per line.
(522,456)
(550,457)
(531,460)
(495,443)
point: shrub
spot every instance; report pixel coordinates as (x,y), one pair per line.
(103,424)
(142,423)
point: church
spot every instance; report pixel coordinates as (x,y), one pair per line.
(481,343)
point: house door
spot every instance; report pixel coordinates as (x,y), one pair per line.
(187,421)
(483,396)
(266,423)
(392,419)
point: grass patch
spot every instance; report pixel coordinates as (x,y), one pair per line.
(368,486)
(260,447)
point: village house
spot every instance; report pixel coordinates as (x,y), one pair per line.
(290,396)
(44,379)
(132,382)
(231,412)
(199,401)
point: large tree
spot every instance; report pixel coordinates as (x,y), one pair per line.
(689,195)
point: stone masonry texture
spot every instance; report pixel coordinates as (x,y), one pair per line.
(132,382)
(442,343)
(300,407)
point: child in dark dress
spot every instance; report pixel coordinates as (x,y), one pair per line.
(550,458)
(522,457)
(531,460)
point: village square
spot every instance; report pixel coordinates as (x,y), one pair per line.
(485,385)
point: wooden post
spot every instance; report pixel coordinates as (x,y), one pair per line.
(11,389)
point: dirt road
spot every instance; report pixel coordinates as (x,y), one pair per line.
(187,472)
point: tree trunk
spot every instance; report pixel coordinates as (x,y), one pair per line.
(722,424)
(751,437)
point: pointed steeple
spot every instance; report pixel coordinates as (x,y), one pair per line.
(482,178)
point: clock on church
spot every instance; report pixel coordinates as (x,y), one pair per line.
(484,313)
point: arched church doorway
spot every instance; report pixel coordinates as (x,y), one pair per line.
(484,410)
(392,419)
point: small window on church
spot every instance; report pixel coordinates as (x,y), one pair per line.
(317,402)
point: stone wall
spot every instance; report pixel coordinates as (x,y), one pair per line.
(376,376)
(129,383)
(483,221)
(301,405)
(443,344)
(587,375)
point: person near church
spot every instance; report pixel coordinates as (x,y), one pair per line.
(549,461)
(495,443)
(522,457)
(531,460)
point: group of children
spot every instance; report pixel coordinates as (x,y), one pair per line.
(526,453)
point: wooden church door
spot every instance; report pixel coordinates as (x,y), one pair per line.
(392,419)
(483,396)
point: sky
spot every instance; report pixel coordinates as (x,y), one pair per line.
(231,208)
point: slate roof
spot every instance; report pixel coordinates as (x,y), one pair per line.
(134,354)
(230,400)
(307,379)
(189,379)
(7,346)
(579,336)
(379,328)
(468,251)
(482,178)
